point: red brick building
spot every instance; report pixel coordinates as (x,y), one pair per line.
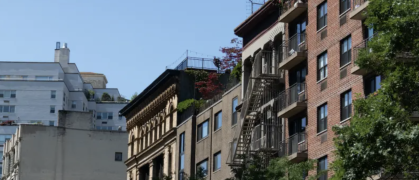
(311,46)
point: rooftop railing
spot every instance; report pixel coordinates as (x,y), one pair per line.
(196,63)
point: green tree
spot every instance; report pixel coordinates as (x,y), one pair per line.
(134,96)
(278,169)
(381,137)
(106,97)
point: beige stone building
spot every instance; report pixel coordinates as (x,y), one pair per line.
(67,152)
(166,141)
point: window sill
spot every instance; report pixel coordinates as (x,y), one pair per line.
(345,120)
(342,14)
(219,129)
(233,126)
(321,80)
(216,171)
(344,66)
(321,132)
(206,137)
(321,29)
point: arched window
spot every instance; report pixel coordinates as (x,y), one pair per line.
(132,145)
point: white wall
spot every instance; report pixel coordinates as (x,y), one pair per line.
(115,108)
(32,69)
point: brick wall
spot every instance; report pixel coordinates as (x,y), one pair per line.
(335,84)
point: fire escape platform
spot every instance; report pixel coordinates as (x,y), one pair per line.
(293,60)
(358,71)
(359,12)
(293,12)
(292,109)
(298,157)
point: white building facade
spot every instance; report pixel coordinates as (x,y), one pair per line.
(34,92)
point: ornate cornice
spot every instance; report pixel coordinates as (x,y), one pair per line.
(152,108)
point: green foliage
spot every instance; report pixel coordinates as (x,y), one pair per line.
(381,136)
(199,75)
(134,96)
(200,175)
(278,169)
(182,106)
(106,97)
(237,71)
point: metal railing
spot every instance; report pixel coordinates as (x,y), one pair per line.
(296,93)
(361,46)
(357,3)
(297,143)
(196,63)
(290,4)
(265,64)
(266,137)
(296,43)
(208,103)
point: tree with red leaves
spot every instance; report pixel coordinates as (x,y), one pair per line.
(210,87)
(232,55)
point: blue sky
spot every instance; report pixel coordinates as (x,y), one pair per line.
(131,41)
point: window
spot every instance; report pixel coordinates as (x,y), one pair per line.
(43,78)
(322,166)
(218,120)
(104,122)
(217,161)
(322,15)
(234,118)
(346,105)
(110,115)
(7,109)
(322,66)
(73,104)
(345,51)
(51,123)
(322,118)
(372,84)
(53,94)
(203,130)
(118,156)
(7,94)
(119,117)
(52,109)
(344,5)
(203,166)
(98,115)
(181,154)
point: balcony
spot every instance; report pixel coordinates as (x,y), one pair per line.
(292,100)
(297,147)
(293,51)
(292,9)
(360,47)
(359,10)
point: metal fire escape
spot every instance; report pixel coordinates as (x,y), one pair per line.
(261,88)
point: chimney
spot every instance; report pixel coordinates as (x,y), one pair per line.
(62,54)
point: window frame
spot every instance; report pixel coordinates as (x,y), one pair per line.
(52,109)
(322,110)
(53,94)
(371,85)
(10,94)
(216,159)
(119,155)
(342,5)
(346,97)
(345,43)
(206,165)
(181,154)
(200,135)
(322,58)
(218,120)
(234,117)
(10,108)
(322,165)
(322,20)
(73,104)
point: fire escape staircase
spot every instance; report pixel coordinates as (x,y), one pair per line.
(261,79)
